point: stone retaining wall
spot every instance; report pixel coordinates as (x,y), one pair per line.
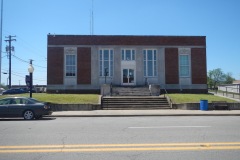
(196,106)
(87,107)
(75,107)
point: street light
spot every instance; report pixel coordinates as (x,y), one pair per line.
(30,70)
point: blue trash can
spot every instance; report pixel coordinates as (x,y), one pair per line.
(204,105)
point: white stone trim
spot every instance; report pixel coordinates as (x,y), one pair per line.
(73,79)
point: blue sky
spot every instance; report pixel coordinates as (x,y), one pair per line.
(32,20)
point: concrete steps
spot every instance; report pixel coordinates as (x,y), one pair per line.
(130,91)
(134,102)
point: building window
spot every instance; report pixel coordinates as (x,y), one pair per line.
(128,55)
(70,65)
(184,65)
(150,63)
(106,62)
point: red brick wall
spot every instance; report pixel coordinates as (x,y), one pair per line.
(199,66)
(55,66)
(126,40)
(84,65)
(171,66)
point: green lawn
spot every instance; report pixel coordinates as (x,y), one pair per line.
(62,98)
(94,98)
(192,98)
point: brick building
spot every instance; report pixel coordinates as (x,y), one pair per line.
(82,63)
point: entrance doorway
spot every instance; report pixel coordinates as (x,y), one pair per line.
(128,77)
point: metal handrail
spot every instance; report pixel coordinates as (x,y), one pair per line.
(227,93)
(168,98)
(165,91)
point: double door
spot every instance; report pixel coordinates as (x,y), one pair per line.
(128,76)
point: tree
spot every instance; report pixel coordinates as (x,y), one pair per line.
(215,77)
(228,78)
(209,80)
(3,86)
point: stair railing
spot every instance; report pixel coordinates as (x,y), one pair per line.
(111,88)
(102,101)
(167,97)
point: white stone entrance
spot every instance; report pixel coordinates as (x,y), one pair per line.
(128,73)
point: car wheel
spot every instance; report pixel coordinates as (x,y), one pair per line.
(28,115)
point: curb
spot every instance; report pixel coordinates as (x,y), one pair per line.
(144,115)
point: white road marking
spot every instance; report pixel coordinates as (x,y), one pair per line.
(153,127)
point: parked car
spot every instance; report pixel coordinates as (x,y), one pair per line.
(13,91)
(1,90)
(23,107)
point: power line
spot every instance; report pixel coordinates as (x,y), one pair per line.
(20,75)
(24,77)
(19,59)
(31,48)
(28,46)
(39,66)
(27,61)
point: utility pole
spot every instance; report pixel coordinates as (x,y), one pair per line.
(9,49)
(1,41)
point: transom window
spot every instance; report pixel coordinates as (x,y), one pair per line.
(150,62)
(184,65)
(70,61)
(128,55)
(106,62)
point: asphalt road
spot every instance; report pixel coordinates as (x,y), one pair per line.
(133,138)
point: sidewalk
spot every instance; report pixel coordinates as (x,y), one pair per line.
(125,113)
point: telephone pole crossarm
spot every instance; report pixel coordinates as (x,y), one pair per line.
(9,50)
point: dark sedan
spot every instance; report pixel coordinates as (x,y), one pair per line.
(14,91)
(23,107)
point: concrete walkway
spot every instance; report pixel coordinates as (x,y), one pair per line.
(123,113)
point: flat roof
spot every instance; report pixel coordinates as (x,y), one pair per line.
(126,40)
